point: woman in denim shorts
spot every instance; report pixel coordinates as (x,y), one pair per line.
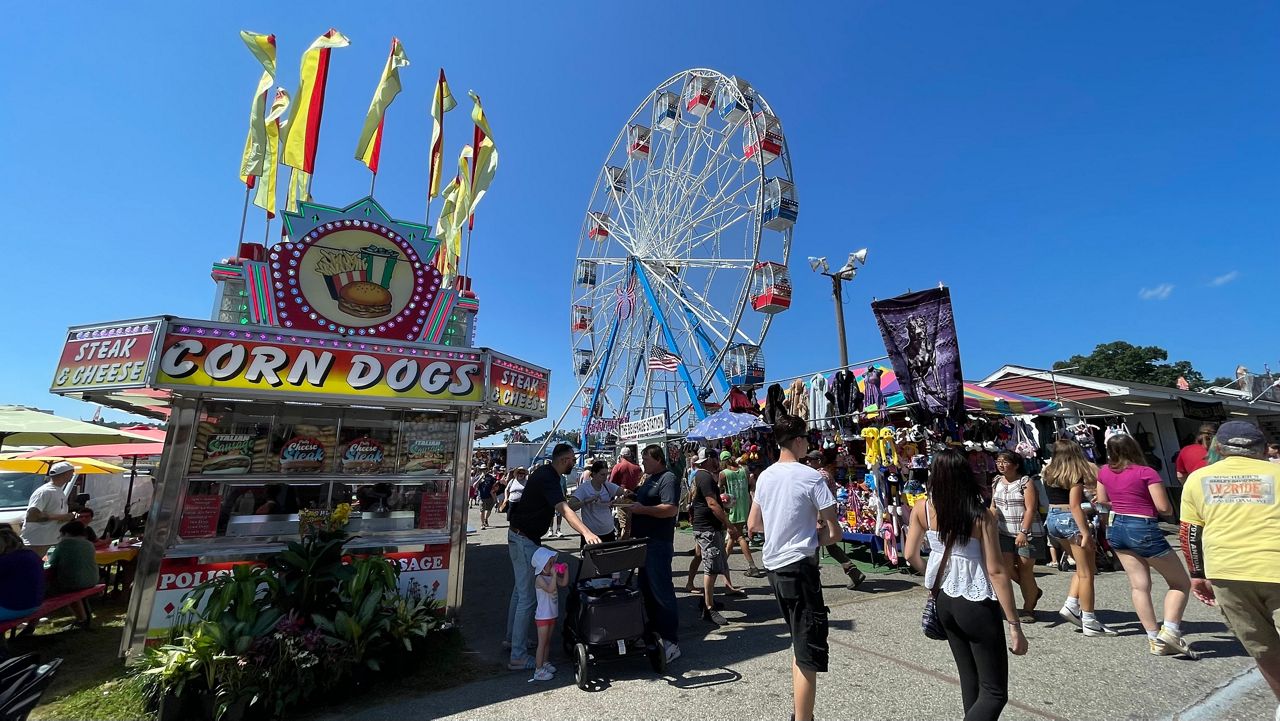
(1065,479)
(1137,497)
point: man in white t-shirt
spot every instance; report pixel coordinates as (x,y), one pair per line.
(47,509)
(790,501)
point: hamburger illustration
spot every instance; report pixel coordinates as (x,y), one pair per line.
(364,299)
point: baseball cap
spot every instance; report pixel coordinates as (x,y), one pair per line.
(813,456)
(57,469)
(703,456)
(725,455)
(1239,438)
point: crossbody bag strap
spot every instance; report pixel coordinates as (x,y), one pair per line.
(946,555)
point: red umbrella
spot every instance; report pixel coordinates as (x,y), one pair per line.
(115,450)
(108,450)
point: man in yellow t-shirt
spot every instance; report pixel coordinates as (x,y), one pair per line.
(1231,538)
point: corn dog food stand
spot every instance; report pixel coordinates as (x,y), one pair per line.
(349,379)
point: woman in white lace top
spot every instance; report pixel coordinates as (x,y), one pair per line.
(973,585)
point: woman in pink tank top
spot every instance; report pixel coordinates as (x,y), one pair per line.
(1137,496)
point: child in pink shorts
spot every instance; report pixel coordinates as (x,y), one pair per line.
(551,577)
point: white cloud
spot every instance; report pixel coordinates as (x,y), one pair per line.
(1225,278)
(1160,292)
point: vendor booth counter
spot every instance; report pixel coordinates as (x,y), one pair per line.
(268,422)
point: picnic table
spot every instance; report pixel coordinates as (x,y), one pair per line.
(116,566)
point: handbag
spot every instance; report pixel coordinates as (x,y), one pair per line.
(929,622)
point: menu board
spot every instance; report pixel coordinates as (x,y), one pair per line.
(427,443)
(200,516)
(433,508)
(228,442)
(302,446)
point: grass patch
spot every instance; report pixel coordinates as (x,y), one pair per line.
(91,683)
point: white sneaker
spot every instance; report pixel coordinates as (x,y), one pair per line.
(549,667)
(541,674)
(673,651)
(1097,628)
(1071,616)
(559,534)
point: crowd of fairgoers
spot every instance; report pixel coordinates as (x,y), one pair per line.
(975,538)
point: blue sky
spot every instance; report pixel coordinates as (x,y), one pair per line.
(1077,172)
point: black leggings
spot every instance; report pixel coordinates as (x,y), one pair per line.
(977,642)
(836,552)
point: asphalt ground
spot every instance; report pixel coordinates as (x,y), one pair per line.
(882,666)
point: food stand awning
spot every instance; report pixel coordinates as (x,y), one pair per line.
(21,426)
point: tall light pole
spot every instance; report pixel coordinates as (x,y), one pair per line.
(844,273)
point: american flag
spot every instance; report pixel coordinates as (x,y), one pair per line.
(661,360)
(626,298)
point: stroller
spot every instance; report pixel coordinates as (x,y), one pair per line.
(604,614)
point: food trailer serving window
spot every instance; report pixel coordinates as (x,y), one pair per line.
(254,467)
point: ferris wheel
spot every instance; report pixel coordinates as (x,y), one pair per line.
(682,259)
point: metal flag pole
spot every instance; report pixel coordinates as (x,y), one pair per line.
(244,215)
(372,182)
(466,265)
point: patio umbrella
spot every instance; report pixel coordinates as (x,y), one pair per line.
(21,426)
(108,450)
(977,397)
(724,424)
(41,464)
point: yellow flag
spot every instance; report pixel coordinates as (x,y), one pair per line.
(446,257)
(369,146)
(303,135)
(297,192)
(441,102)
(265,195)
(454,215)
(252,161)
(486,158)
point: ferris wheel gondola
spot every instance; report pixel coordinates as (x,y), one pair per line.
(682,259)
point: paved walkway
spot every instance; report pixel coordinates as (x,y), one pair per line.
(881,667)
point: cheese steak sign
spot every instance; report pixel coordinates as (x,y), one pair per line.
(106,357)
(285,365)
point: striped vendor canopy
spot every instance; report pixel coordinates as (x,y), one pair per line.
(978,398)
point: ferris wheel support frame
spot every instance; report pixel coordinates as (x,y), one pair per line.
(708,348)
(670,338)
(601,370)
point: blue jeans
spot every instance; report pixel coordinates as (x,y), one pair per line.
(523,598)
(1062,525)
(1138,535)
(656,586)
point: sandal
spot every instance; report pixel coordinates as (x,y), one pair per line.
(736,593)
(1026,617)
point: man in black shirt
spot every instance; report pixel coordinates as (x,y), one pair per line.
(529,519)
(709,522)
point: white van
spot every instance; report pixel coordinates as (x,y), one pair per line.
(107,493)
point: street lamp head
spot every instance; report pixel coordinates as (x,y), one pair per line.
(818,265)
